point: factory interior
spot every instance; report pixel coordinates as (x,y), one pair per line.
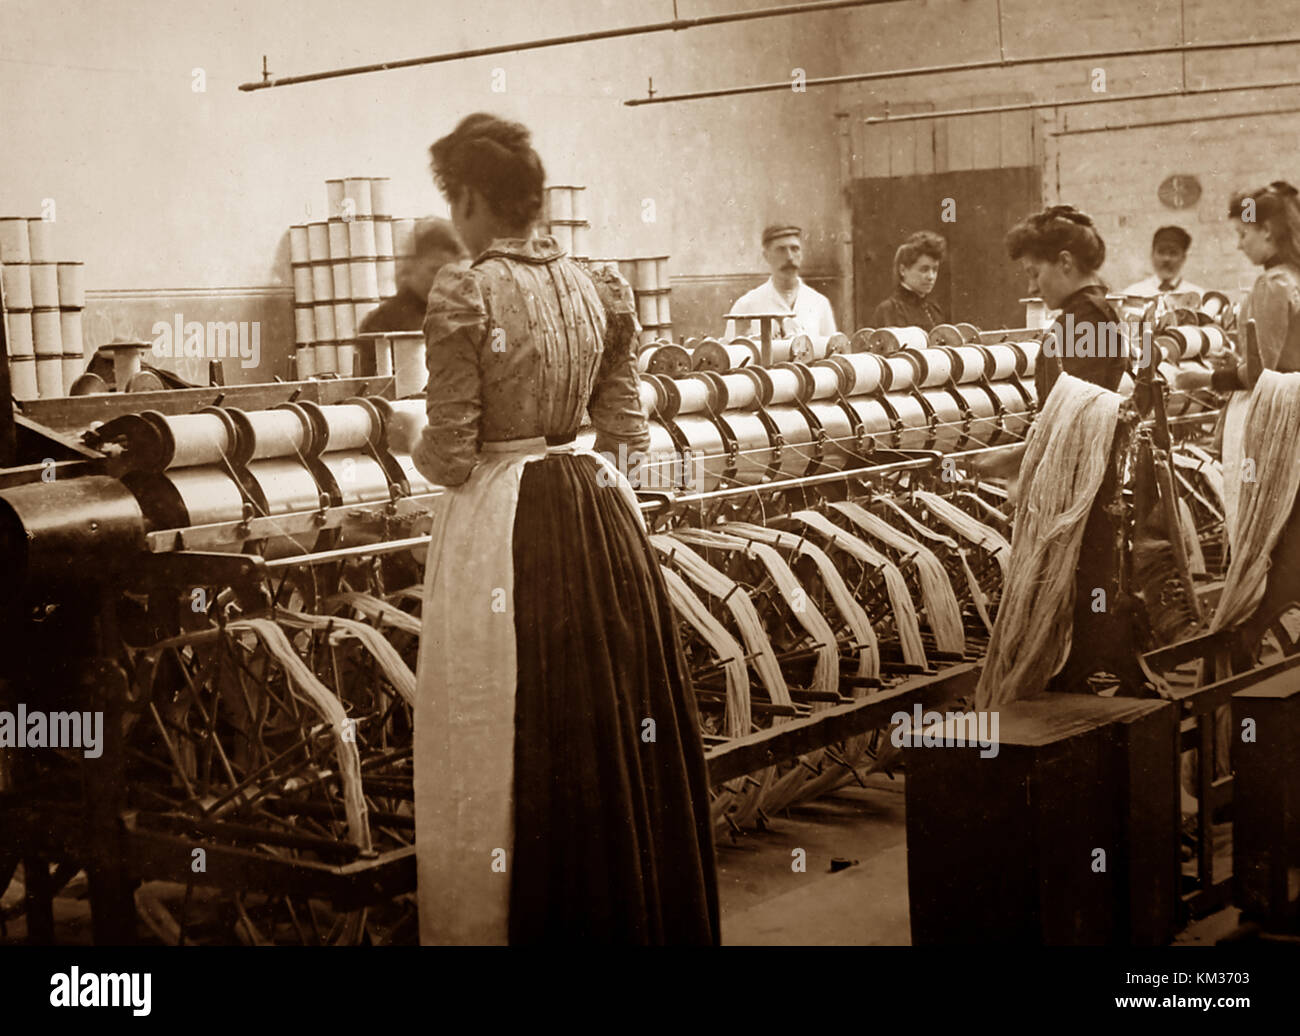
(627,472)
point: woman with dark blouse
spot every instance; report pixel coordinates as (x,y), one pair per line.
(916,266)
(1061,252)
(560,787)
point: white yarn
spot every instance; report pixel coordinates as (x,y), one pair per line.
(968,527)
(826,669)
(738,720)
(718,585)
(302,681)
(1270,438)
(941,607)
(854,616)
(1191,541)
(977,595)
(1066,459)
(900,600)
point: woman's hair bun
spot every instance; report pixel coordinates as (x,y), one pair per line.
(1068,212)
(1058,228)
(496,157)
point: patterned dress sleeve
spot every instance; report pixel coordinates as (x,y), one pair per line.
(615,404)
(456,325)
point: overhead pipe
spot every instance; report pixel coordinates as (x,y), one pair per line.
(1259,113)
(675,25)
(1021,106)
(970,66)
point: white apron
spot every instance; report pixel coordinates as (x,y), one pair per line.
(465,700)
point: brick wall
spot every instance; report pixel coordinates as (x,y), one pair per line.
(1102,158)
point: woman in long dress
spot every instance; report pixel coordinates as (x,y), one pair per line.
(1267,222)
(560,786)
(1062,253)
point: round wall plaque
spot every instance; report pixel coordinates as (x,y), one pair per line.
(1180,191)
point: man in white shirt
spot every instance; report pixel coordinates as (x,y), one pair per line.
(1168,254)
(809,311)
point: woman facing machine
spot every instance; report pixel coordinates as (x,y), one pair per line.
(1261,442)
(560,787)
(1050,633)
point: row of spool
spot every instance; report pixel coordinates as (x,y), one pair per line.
(44,298)
(223,464)
(712,354)
(793,418)
(936,391)
(834,407)
(343,267)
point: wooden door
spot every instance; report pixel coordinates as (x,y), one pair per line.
(977,283)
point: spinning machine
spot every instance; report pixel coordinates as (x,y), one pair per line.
(233,576)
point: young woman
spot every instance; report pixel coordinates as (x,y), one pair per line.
(916,265)
(1061,253)
(1267,222)
(560,787)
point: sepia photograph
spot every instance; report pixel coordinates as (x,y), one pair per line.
(597,474)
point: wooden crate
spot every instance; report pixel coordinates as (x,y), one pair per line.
(1001,849)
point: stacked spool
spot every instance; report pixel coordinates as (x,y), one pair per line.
(343,267)
(650,284)
(565,215)
(44,300)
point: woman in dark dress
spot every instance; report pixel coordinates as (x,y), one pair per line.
(1061,252)
(916,267)
(560,786)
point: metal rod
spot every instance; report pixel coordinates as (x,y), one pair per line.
(675,25)
(972,66)
(1078,102)
(1111,128)
(365,549)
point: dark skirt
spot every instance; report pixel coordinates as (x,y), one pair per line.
(613,842)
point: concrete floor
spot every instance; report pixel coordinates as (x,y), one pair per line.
(765,902)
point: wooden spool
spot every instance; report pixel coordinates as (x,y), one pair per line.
(902,373)
(1004,361)
(946,336)
(711,355)
(916,433)
(971,362)
(889,340)
(984,422)
(933,367)
(826,380)
(865,372)
(861,340)
(668,359)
